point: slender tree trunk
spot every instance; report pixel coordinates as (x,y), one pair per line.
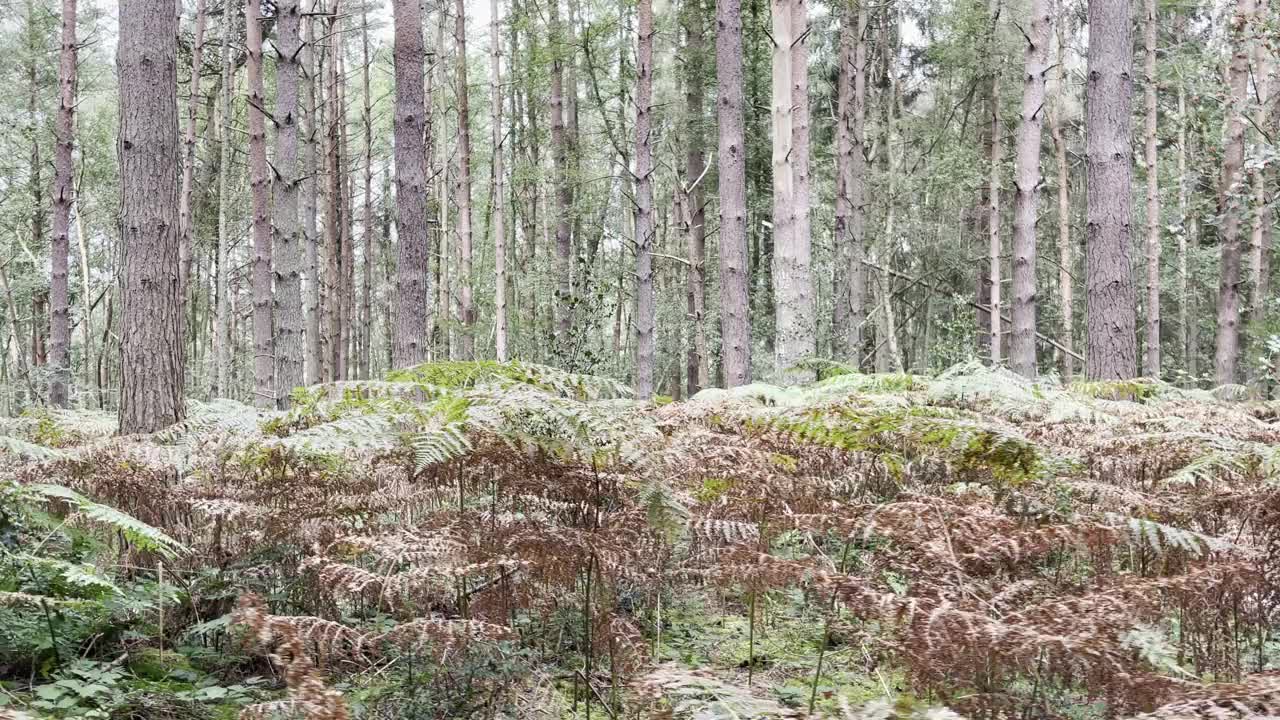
(1184,232)
(86,322)
(388,277)
(1109,288)
(560,157)
(1026,180)
(1227,342)
(152,343)
(365,326)
(851,170)
(311,110)
(698,372)
(264,389)
(1151,359)
(993,193)
(735,321)
(1263,216)
(413,271)
(63,197)
(1065,261)
(289,316)
(333,220)
(185,222)
(344,358)
(499,187)
(466,339)
(645,310)
(222,330)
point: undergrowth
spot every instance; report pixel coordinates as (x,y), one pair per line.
(509,540)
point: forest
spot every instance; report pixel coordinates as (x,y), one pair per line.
(639,359)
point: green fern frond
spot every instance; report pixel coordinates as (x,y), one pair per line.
(438,445)
(137,532)
(10,445)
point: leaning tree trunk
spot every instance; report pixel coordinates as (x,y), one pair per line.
(466,305)
(63,197)
(499,188)
(735,321)
(264,390)
(1227,342)
(645,314)
(151,340)
(1151,359)
(289,317)
(413,270)
(1026,181)
(1110,296)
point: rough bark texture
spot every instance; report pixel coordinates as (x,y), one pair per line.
(1065,261)
(1026,199)
(365,325)
(1151,358)
(1184,231)
(264,389)
(466,304)
(185,222)
(151,335)
(645,311)
(697,370)
(333,217)
(993,198)
(222,330)
(63,197)
(413,271)
(851,170)
(310,228)
(735,323)
(564,198)
(1227,342)
(1110,296)
(1263,216)
(499,188)
(289,318)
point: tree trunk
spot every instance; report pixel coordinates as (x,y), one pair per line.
(289,252)
(333,220)
(365,326)
(222,330)
(63,197)
(314,363)
(344,358)
(1184,232)
(560,157)
(994,246)
(851,170)
(466,308)
(1026,200)
(735,321)
(645,312)
(1227,342)
(1263,216)
(152,342)
(1151,359)
(1065,260)
(413,271)
(499,188)
(1109,288)
(185,222)
(698,373)
(264,389)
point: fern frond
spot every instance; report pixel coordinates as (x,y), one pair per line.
(137,532)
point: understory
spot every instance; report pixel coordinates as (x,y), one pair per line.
(483,540)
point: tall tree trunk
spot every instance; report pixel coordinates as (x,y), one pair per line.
(333,219)
(560,158)
(793,282)
(851,171)
(185,221)
(413,271)
(467,312)
(1263,216)
(698,372)
(499,187)
(1151,359)
(264,389)
(289,251)
(735,320)
(222,330)
(1184,231)
(645,310)
(994,246)
(311,111)
(63,197)
(1026,200)
(1109,288)
(365,325)
(1065,262)
(1227,342)
(347,259)
(152,342)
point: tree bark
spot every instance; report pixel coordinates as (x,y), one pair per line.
(314,368)
(697,370)
(994,246)
(1184,232)
(1263,216)
(63,197)
(1065,260)
(1109,288)
(334,219)
(645,310)
(290,321)
(185,222)
(499,188)
(735,322)
(222,330)
(466,305)
(151,342)
(365,326)
(1151,359)
(564,198)
(1227,342)
(413,271)
(1026,200)
(851,171)
(264,389)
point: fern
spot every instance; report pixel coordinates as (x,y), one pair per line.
(137,532)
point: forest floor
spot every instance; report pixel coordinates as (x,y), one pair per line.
(476,540)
